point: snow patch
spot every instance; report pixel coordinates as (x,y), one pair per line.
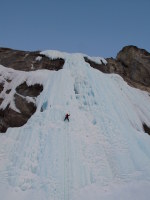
(98,60)
(57,54)
(38,58)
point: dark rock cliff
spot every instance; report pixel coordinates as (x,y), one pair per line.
(11,118)
(132,63)
(23,61)
(27,61)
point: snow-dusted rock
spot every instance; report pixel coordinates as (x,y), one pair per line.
(28,61)
(132,63)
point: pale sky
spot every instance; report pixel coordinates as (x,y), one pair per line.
(93,27)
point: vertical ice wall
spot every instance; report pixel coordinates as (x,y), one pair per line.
(102,145)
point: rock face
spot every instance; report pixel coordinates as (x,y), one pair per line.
(11,118)
(31,91)
(132,63)
(146,129)
(23,61)
(28,61)
(112,66)
(137,64)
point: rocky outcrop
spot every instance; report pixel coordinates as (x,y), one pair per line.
(146,129)
(132,63)
(28,61)
(112,66)
(32,91)
(136,63)
(23,61)
(11,118)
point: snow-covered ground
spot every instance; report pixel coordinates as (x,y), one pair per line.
(102,153)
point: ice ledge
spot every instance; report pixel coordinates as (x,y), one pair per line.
(53,54)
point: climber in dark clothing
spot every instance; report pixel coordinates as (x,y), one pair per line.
(67,117)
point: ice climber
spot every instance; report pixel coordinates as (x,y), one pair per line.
(67,117)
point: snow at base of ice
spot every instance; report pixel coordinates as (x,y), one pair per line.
(102,153)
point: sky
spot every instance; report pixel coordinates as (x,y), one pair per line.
(93,27)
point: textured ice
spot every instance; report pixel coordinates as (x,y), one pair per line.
(102,153)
